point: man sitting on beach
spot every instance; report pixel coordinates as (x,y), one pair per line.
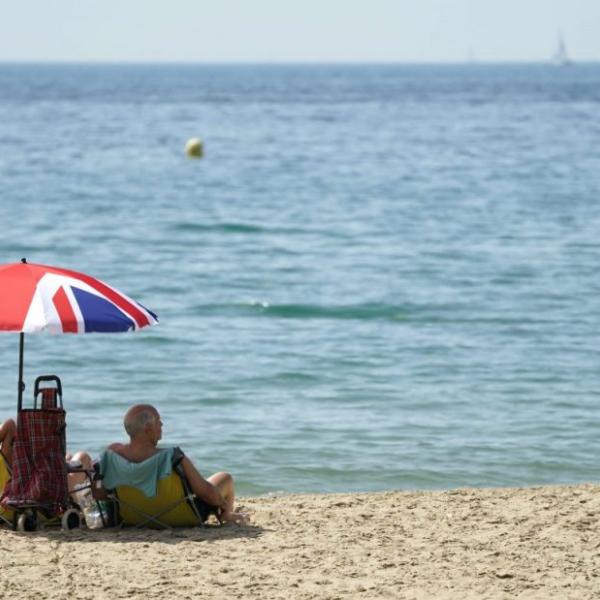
(144,428)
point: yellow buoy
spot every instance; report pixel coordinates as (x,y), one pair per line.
(194,148)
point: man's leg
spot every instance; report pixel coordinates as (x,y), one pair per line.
(217,490)
(85,460)
(224,483)
(7,435)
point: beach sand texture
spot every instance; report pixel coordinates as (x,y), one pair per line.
(468,543)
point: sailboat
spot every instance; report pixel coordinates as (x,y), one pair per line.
(561,57)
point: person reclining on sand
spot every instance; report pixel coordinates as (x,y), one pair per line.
(144,428)
(8,430)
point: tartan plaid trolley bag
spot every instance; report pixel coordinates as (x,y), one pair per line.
(39,486)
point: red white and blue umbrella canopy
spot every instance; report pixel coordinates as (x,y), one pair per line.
(38,297)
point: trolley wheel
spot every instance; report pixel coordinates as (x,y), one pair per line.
(70,519)
(27,521)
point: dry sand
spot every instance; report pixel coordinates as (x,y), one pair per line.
(470,543)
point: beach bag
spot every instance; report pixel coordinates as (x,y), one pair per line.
(39,470)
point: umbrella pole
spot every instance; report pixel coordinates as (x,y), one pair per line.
(21,382)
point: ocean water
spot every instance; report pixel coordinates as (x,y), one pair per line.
(379,277)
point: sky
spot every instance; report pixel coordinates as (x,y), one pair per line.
(296,30)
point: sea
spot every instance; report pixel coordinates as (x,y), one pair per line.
(378,277)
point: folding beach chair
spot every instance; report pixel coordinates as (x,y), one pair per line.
(174,505)
(38,485)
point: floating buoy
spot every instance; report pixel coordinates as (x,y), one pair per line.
(194,148)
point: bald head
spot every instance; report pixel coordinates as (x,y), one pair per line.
(137,417)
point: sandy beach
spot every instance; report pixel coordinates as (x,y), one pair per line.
(467,543)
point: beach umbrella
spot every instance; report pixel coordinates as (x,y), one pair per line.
(38,297)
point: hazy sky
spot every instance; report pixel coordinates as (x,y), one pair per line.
(296,30)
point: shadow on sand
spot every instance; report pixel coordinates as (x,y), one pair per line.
(119,535)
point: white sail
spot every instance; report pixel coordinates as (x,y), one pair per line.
(561,57)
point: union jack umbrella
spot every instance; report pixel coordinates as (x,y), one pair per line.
(38,297)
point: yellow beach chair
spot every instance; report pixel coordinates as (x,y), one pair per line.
(174,505)
(6,515)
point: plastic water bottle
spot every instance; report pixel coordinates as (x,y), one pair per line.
(89,506)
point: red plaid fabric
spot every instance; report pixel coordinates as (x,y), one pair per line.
(39,469)
(49,397)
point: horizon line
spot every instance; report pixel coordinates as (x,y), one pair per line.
(293,62)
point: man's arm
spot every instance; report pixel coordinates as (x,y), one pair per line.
(204,489)
(98,490)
